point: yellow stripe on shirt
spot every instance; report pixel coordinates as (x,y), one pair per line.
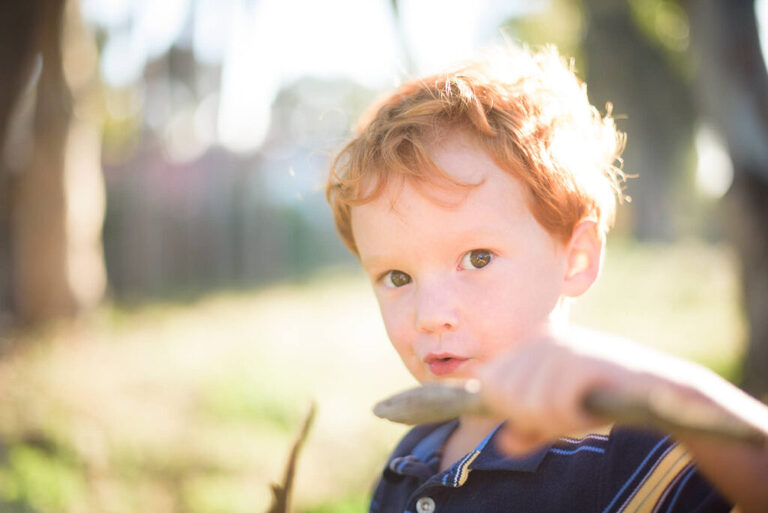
(581,435)
(667,469)
(464,470)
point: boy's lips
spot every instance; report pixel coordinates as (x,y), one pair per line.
(443,363)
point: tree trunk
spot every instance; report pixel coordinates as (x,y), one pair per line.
(19,27)
(55,192)
(732,89)
(653,105)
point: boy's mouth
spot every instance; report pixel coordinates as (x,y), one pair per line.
(443,363)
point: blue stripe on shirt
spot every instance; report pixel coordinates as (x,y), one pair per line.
(567,452)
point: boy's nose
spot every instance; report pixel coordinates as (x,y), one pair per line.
(436,311)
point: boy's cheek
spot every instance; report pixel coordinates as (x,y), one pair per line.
(397,317)
(405,348)
(403,340)
(399,336)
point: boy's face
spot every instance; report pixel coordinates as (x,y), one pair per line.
(462,279)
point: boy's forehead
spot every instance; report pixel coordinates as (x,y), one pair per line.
(460,165)
(459,155)
(439,191)
(489,194)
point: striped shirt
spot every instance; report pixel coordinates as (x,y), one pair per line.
(618,471)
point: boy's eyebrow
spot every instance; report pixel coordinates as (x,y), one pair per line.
(474,238)
(374,261)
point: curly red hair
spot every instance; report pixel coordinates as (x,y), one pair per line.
(527,110)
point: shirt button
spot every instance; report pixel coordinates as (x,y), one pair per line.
(425,505)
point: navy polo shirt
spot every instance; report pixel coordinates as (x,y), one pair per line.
(622,470)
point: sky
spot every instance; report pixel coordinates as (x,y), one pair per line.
(267,43)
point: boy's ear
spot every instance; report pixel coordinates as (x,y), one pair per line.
(584,259)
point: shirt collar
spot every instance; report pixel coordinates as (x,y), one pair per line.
(490,458)
(423,460)
(424,457)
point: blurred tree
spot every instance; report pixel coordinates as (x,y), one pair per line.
(51,188)
(731,87)
(651,96)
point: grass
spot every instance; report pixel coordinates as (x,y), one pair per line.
(681,298)
(192,408)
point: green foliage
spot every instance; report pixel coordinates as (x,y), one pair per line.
(349,504)
(217,494)
(561,23)
(663,21)
(40,481)
(666,25)
(251,396)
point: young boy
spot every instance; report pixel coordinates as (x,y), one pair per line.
(478,202)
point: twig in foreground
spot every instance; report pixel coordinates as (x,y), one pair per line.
(281,494)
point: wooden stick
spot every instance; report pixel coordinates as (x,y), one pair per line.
(664,410)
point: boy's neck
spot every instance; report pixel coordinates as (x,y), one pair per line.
(466,437)
(476,426)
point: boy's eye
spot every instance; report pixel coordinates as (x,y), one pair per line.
(476,259)
(395,279)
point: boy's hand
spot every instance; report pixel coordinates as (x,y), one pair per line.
(540,386)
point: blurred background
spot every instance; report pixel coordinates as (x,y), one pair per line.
(173,296)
